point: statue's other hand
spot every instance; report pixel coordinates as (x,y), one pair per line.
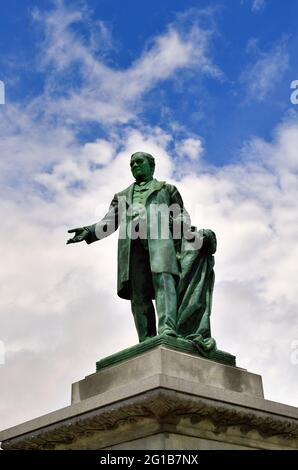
(80,234)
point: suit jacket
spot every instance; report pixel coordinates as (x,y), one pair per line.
(162,251)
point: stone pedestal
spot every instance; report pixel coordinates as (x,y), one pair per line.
(163,399)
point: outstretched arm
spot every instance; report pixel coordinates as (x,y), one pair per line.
(101,229)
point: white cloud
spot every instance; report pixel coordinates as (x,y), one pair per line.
(107,94)
(261,77)
(191,148)
(258,5)
(99,152)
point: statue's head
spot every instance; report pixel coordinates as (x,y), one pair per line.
(142,165)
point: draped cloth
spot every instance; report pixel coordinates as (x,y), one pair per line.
(195,289)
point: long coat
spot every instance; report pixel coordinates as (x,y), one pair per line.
(162,251)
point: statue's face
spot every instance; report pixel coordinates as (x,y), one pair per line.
(140,167)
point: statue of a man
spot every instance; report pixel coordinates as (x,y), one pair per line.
(151,258)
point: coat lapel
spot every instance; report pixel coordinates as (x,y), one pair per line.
(155,186)
(127,193)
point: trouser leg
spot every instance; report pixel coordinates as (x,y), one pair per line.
(166,302)
(141,291)
(144,317)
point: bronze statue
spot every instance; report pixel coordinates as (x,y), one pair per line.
(160,256)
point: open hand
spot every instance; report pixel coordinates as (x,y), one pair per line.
(80,235)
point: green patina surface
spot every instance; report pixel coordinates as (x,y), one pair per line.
(178,344)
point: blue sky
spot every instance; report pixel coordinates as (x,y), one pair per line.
(223,110)
(203,86)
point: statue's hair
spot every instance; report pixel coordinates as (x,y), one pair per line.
(149,157)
